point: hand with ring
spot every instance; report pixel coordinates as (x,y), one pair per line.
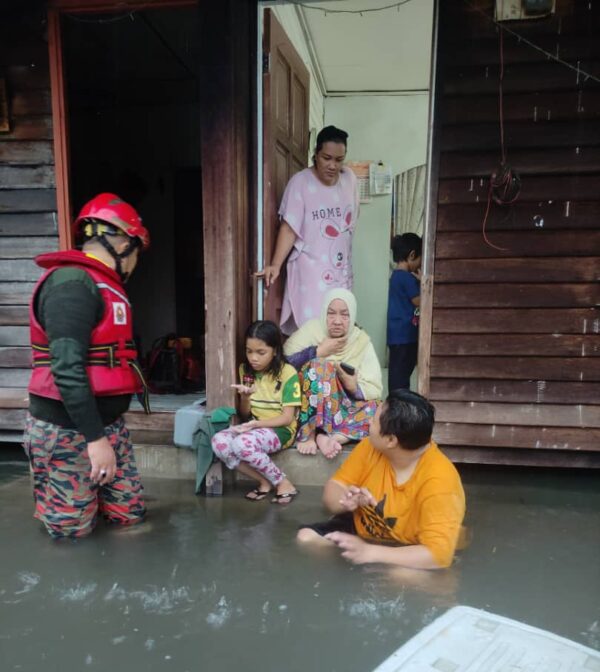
(102,460)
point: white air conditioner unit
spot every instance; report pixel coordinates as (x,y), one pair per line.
(517,10)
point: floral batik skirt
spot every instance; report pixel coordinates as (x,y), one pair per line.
(326,405)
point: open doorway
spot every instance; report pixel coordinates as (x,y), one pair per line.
(370,74)
(133,101)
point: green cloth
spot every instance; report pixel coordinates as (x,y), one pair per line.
(210,424)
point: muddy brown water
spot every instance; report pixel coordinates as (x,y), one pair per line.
(218,584)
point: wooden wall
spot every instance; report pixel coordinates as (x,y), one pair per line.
(28,224)
(515,352)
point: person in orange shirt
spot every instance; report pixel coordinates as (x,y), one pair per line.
(397,499)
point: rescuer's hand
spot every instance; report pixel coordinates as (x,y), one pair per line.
(103,461)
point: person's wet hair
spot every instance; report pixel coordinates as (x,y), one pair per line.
(404,244)
(331,134)
(270,334)
(409,417)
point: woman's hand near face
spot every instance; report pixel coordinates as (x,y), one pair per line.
(331,346)
(349,382)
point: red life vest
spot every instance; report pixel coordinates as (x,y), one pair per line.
(111,366)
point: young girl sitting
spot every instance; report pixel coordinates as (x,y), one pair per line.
(269,395)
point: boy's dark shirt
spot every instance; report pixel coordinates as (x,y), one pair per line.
(401,323)
(69,306)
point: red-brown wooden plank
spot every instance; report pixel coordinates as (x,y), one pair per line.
(15,357)
(545,106)
(12,418)
(20,270)
(31,102)
(517,368)
(547,76)
(26,247)
(27,200)
(516,321)
(548,188)
(524,345)
(14,378)
(15,293)
(29,128)
(538,243)
(486,52)
(519,135)
(14,315)
(29,224)
(14,398)
(580,160)
(25,177)
(547,215)
(26,78)
(567,459)
(514,391)
(538,415)
(511,436)
(516,295)
(26,152)
(571,269)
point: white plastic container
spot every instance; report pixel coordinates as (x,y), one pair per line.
(187,419)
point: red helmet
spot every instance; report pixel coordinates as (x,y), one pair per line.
(111,209)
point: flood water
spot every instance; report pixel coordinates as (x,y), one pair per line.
(219,583)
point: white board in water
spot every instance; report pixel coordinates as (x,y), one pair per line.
(472,640)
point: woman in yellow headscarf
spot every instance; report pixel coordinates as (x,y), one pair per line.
(340,374)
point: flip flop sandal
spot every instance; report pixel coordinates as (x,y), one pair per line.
(278,499)
(259,494)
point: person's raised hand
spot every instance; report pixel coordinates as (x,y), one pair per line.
(246,390)
(356,497)
(331,346)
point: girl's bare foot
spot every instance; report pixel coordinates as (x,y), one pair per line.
(328,445)
(308,447)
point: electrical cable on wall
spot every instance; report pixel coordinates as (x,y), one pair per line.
(396,6)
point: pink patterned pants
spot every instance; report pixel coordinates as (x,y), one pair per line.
(253,448)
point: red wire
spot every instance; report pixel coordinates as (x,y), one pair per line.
(487,212)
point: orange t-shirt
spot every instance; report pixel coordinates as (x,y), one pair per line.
(427,509)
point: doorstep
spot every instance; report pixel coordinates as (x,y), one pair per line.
(168,461)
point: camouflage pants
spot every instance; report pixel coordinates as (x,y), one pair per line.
(66,500)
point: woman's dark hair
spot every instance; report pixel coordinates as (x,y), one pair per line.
(331,134)
(403,245)
(269,333)
(409,417)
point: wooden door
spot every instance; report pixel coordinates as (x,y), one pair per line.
(285,136)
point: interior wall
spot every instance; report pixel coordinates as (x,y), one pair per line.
(392,129)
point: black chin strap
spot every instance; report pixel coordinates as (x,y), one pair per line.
(134,243)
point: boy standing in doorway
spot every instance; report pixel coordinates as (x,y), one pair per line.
(403,310)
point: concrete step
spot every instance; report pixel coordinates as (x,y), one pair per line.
(168,461)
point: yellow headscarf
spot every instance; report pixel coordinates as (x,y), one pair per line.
(358,351)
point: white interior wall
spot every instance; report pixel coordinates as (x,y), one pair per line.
(392,129)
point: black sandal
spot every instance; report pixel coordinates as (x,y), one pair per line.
(258,494)
(277,499)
